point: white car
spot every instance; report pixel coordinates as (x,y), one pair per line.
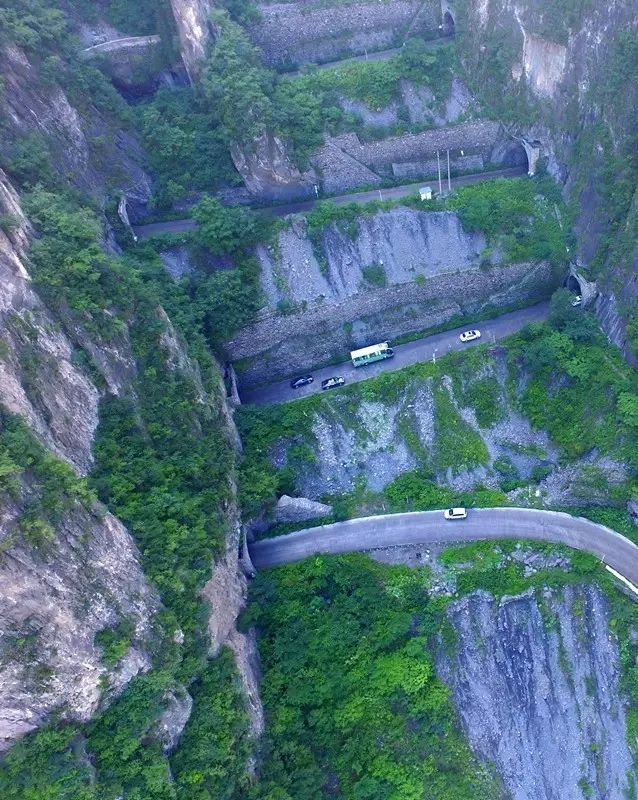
(470,336)
(577,300)
(455,513)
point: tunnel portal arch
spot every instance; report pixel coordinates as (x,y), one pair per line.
(448,27)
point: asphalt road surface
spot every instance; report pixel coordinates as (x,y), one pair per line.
(422,527)
(178,226)
(404,355)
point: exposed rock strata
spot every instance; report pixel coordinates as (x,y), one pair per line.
(567,63)
(535,682)
(193,26)
(55,397)
(267,169)
(54,600)
(30,105)
(226,593)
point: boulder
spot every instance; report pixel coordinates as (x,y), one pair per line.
(299,509)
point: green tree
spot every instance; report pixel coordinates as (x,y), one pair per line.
(236,83)
(223,230)
(627,405)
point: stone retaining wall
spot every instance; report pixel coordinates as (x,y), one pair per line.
(313,31)
(345,163)
(277,346)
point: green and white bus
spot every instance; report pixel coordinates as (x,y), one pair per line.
(377,352)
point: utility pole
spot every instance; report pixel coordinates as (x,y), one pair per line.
(438,161)
(449,182)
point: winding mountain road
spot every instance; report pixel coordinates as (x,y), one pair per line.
(404,355)
(178,226)
(422,527)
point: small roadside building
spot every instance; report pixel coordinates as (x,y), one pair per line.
(425,192)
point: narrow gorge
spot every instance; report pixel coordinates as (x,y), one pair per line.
(200,201)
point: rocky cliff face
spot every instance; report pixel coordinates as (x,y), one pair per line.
(564,71)
(535,682)
(37,376)
(226,593)
(193,25)
(268,171)
(55,599)
(395,272)
(29,105)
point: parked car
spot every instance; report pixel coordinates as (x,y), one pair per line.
(302,380)
(331,383)
(455,513)
(577,300)
(470,336)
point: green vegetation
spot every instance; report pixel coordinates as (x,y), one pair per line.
(117,755)
(70,268)
(185,147)
(349,687)
(374,274)
(458,446)
(580,388)
(520,215)
(45,486)
(304,106)
(236,83)
(115,641)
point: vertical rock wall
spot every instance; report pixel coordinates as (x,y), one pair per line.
(535,682)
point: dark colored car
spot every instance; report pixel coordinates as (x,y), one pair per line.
(331,383)
(302,380)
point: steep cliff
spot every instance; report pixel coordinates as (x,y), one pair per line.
(268,170)
(385,275)
(38,376)
(565,77)
(84,142)
(56,598)
(535,679)
(193,25)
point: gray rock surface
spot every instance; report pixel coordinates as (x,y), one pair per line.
(268,170)
(54,600)
(299,509)
(406,243)
(193,27)
(351,450)
(57,399)
(535,682)
(173,720)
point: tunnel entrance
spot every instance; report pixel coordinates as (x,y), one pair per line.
(448,24)
(573,284)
